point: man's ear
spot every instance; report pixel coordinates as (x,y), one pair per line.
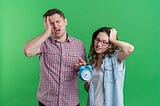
(66,22)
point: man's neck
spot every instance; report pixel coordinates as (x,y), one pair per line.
(61,39)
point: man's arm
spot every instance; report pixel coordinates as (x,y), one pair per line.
(33,47)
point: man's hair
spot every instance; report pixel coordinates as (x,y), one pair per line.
(54,11)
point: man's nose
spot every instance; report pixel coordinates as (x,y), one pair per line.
(55,25)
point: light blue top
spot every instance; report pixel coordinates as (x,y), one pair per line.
(114,74)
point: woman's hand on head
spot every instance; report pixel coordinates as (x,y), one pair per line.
(113,34)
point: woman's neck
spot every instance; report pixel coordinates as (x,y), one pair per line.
(98,61)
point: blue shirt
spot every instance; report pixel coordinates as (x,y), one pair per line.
(113,82)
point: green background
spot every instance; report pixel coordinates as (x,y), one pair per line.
(137,22)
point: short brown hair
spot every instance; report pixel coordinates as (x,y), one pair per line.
(54,11)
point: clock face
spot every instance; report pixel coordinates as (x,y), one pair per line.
(86,74)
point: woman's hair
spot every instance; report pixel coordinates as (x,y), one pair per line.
(92,56)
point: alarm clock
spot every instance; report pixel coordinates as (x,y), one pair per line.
(86,72)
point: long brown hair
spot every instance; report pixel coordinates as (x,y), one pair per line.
(92,56)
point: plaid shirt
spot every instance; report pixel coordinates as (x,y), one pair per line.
(58,76)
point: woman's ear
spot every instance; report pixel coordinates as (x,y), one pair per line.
(110,45)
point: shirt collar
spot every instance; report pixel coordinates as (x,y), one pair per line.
(69,39)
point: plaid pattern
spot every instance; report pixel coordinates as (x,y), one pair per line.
(58,76)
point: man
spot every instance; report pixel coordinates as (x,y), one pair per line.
(58,55)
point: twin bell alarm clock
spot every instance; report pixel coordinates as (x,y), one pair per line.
(86,72)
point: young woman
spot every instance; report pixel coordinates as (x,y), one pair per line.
(107,55)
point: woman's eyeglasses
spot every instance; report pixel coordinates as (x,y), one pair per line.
(104,43)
